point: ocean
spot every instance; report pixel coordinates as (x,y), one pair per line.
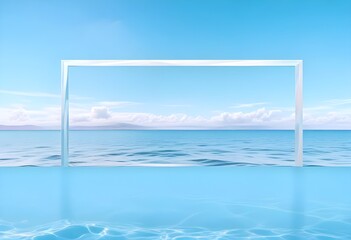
(175,148)
(182,203)
(226,185)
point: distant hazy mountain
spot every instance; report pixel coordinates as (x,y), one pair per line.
(20,127)
(118,126)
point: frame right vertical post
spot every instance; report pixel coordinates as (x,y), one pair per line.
(299,114)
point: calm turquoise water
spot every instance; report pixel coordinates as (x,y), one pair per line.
(175,203)
(174,148)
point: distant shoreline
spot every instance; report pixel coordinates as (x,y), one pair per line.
(92,129)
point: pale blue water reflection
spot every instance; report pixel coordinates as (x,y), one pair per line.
(175,203)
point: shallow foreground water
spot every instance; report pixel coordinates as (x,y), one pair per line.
(175,203)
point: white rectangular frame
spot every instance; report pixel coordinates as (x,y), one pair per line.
(298,64)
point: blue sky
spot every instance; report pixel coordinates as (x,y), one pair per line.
(35,35)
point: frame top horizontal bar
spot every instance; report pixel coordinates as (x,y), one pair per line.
(195,63)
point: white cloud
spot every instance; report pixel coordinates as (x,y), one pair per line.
(316,108)
(40,94)
(176,105)
(258,116)
(19,115)
(330,105)
(29,94)
(249,105)
(24,116)
(100,112)
(117,104)
(337,102)
(330,120)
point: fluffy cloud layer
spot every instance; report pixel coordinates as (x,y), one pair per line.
(106,115)
(102,115)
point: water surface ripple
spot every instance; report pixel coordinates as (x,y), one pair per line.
(175,148)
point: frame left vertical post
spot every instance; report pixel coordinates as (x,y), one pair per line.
(64,114)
